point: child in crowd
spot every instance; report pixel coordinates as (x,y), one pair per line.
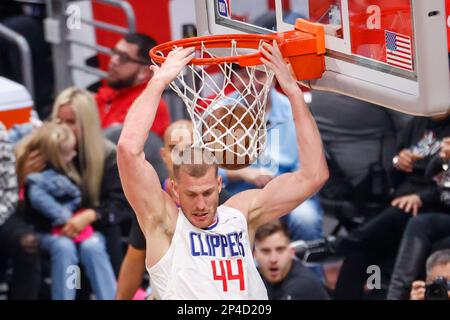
(54,197)
(53,192)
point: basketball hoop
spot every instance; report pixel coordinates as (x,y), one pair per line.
(227,74)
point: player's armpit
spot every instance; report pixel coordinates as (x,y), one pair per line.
(281,195)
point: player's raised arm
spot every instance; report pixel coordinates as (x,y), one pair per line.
(139,179)
(287,191)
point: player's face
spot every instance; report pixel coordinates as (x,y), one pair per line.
(198,197)
(274,257)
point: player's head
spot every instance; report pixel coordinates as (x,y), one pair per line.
(178,134)
(273,252)
(129,61)
(196,184)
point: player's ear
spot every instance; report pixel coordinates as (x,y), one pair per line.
(219,182)
(176,193)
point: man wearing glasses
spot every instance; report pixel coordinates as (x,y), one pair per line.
(128,74)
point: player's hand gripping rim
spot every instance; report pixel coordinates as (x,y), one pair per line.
(176,60)
(274,60)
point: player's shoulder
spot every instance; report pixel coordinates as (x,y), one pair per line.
(229,210)
(242,201)
(227,215)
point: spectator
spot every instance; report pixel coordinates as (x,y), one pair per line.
(128,74)
(423,234)
(379,239)
(96,161)
(17,240)
(438,265)
(356,190)
(179,133)
(353,129)
(54,196)
(54,191)
(101,190)
(285,277)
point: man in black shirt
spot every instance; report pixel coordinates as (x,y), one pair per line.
(354,129)
(285,277)
(377,242)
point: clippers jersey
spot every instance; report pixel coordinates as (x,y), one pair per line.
(213,263)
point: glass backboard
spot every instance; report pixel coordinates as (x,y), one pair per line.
(389,52)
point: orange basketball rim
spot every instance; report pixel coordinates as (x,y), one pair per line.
(304,47)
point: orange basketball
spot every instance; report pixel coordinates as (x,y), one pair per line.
(227,135)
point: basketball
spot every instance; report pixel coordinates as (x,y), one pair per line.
(225,134)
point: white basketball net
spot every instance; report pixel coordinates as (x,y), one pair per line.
(205,89)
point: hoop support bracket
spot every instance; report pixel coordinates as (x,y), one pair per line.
(304,47)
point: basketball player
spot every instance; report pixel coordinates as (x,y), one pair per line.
(202,251)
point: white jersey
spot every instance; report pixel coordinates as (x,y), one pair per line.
(213,263)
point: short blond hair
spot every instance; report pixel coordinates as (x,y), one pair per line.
(194,161)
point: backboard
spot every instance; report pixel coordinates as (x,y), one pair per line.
(392,53)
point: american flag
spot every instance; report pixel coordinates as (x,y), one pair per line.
(398,50)
(224,8)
